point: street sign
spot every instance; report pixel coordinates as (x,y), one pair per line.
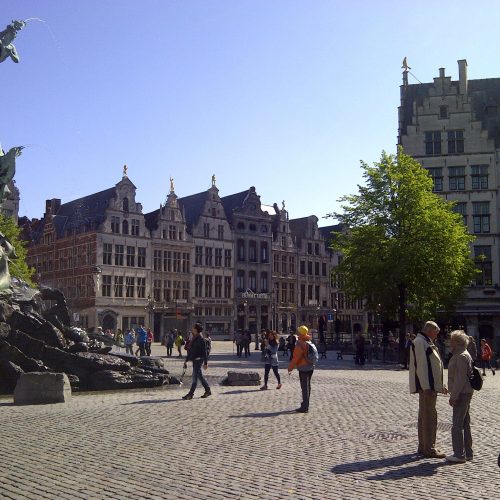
(330,317)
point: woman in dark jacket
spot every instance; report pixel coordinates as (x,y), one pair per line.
(197,353)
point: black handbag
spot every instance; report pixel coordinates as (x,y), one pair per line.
(475,379)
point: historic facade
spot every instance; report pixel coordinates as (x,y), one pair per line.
(232,263)
(453,129)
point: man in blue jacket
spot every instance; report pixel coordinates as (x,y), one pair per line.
(197,353)
(142,338)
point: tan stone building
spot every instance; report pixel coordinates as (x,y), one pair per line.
(452,127)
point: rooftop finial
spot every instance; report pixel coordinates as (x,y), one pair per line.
(172,188)
(405,65)
(125,170)
(213,180)
(283,205)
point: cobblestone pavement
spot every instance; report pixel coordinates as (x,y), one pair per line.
(357,441)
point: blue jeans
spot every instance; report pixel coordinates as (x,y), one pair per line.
(197,374)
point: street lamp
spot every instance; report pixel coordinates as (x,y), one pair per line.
(150,308)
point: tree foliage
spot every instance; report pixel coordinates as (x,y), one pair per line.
(18,267)
(404,249)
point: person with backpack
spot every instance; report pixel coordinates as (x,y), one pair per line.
(460,391)
(271,345)
(179,342)
(141,340)
(486,354)
(197,353)
(305,356)
(129,342)
(169,343)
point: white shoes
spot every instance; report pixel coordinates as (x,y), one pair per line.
(455,460)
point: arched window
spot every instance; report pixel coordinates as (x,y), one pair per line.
(125,227)
(125,204)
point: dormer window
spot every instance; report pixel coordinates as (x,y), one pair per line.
(443,112)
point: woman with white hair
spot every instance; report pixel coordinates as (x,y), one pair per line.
(460,391)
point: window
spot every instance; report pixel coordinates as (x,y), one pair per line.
(227,258)
(302,295)
(227,287)
(129,288)
(309,248)
(323,269)
(264,257)
(106,286)
(208,286)
(130,256)
(283,241)
(141,287)
(284,292)
(167,261)
(479,176)
(252,251)
(482,258)
(461,208)
(263,229)
(240,225)
(208,257)
(218,257)
(309,268)
(186,261)
(263,282)
(185,290)
(457,178)
(284,261)
(115,225)
(240,280)
(118,255)
(118,286)
(157,260)
(206,230)
(443,112)
(302,267)
(252,281)
(433,143)
(218,287)
(220,232)
(125,227)
(455,141)
(240,245)
(167,296)
(157,290)
(291,264)
(252,227)
(316,249)
(437,178)
(172,232)
(276,263)
(198,256)
(291,293)
(481,216)
(177,262)
(106,253)
(141,257)
(125,205)
(316,268)
(198,285)
(135,227)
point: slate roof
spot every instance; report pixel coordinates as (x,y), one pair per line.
(232,202)
(192,206)
(484,93)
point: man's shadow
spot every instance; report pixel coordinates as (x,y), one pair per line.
(265,414)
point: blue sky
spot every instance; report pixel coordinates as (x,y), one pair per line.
(287,96)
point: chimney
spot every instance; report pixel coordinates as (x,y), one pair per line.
(52,206)
(462,76)
(441,72)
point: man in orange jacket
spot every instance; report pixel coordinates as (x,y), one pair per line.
(303,365)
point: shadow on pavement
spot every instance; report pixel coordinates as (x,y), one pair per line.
(241,391)
(423,469)
(374,464)
(265,414)
(151,401)
(6,404)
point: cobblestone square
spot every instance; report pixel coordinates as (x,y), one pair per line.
(357,441)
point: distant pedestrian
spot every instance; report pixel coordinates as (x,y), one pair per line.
(179,342)
(426,379)
(290,342)
(247,339)
(359,344)
(282,346)
(149,341)
(129,341)
(472,348)
(208,341)
(141,339)
(271,345)
(486,355)
(460,390)
(304,366)
(238,340)
(169,343)
(197,353)
(119,337)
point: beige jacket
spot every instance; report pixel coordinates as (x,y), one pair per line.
(426,367)
(459,369)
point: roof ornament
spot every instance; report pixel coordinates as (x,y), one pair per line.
(125,170)
(172,188)
(405,65)
(213,180)
(406,69)
(283,205)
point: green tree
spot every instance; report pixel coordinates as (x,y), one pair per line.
(18,267)
(404,249)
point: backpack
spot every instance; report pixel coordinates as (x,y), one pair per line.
(475,379)
(312,353)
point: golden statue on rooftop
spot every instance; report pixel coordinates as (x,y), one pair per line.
(172,189)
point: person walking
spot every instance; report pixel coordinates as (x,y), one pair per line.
(304,366)
(142,338)
(271,358)
(179,342)
(486,354)
(208,341)
(238,340)
(197,353)
(247,339)
(169,343)
(129,342)
(472,349)
(290,342)
(426,379)
(460,390)
(359,343)
(149,341)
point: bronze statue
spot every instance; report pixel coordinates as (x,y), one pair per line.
(7,48)
(7,169)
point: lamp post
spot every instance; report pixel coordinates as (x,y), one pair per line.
(150,308)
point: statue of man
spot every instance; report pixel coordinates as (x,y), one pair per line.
(7,48)
(7,251)
(213,180)
(7,169)
(172,188)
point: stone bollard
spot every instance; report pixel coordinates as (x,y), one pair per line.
(242,378)
(35,388)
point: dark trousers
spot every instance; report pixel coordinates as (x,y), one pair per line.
(239,349)
(305,385)
(247,349)
(197,374)
(359,358)
(267,369)
(169,350)
(142,348)
(148,348)
(129,349)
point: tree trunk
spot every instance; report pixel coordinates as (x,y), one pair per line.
(402,323)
